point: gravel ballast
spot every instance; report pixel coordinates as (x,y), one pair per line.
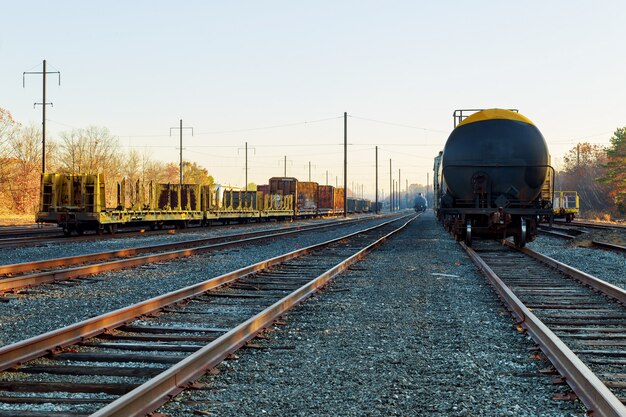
(48,307)
(65,247)
(603,264)
(412,330)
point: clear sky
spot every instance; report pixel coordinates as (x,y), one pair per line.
(229,67)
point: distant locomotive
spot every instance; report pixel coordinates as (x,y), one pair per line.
(489,177)
(420,204)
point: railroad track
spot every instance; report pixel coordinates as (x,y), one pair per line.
(20,231)
(29,274)
(570,234)
(578,321)
(593,225)
(58,237)
(132,360)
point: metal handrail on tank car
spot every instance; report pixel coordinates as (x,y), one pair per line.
(500,166)
(458,114)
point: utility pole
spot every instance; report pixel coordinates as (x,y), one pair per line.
(427,186)
(406,195)
(246,150)
(345,164)
(285,165)
(390,188)
(376,180)
(399,190)
(43,105)
(326,177)
(180,128)
(315,166)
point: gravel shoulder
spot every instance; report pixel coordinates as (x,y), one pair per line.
(412,330)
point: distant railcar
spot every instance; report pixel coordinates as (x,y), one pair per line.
(420,204)
(76,203)
(326,199)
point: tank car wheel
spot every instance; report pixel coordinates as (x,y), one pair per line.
(67,231)
(468,233)
(520,236)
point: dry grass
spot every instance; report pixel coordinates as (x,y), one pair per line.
(596,216)
(16,219)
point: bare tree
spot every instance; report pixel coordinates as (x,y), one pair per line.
(25,183)
(92,150)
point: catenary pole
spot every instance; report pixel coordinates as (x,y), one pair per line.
(180,128)
(390,188)
(345,164)
(376,180)
(399,189)
(43,104)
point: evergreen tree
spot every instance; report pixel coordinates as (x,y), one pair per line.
(615,176)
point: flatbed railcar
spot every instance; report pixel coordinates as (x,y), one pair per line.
(77,203)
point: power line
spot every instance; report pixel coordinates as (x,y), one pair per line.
(399,124)
(219,132)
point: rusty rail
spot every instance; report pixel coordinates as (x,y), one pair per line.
(125,258)
(17,353)
(587,386)
(152,394)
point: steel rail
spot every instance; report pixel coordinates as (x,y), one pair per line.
(587,386)
(130,232)
(121,253)
(149,396)
(24,281)
(596,225)
(609,246)
(604,287)
(555,233)
(15,354)
(594,243)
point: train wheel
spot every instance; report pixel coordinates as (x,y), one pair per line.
(468,233)
(520,236)
(80,230)
(67,231)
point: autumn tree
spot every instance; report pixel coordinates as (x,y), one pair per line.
(92,150)
(195,174)
(9,129)
(583,164)
(615,176)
